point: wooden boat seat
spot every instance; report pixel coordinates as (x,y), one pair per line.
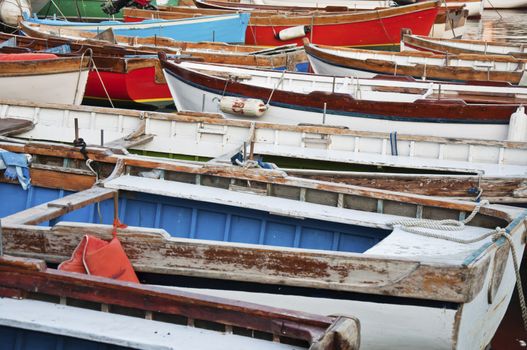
(226,75)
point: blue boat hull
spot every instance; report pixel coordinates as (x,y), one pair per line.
(223,28)
(193,219)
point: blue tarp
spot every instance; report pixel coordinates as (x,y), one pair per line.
(16,167)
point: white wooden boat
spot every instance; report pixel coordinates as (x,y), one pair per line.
(359,63)
(474,7)
(450,22)
(386,105)
(493,170)
(443,294)
(41,78)
(504,4)
(411,42)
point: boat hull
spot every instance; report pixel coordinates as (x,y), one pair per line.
(381,33)
(64,88)
(368,64)
(191,96)
(134,86)
(468,326)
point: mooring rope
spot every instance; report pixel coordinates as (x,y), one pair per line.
(102,83)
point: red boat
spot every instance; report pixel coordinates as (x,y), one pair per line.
(380,27)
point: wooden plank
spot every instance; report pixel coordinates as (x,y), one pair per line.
(66,179)
(10,126)
(154,251)
(126,142)
(59,207)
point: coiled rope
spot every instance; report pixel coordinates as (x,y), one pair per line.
(416,226)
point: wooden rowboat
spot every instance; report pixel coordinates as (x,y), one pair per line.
(283,57)
(446,67)
(128,75)
(43,77)
(412,42)
(436,166)
(340,29)
(42,306)
(385,104)
(449,22)
(224,28)
(279,245)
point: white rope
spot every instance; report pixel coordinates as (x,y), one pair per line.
(419,226)
(248,163)
(416,226)
(88,164)
(276,87)
(102,83)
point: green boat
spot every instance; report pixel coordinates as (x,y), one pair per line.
(86,10)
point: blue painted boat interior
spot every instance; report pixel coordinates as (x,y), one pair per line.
(22,339)
(194,219)
(222,28)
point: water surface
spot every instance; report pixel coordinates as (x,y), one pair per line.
(499,25)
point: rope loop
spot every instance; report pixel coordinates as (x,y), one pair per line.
(516,265)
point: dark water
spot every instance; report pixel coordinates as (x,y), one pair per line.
(499,25)
(511,26)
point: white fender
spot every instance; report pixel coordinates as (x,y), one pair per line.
(518,126)
(10,10)
(249,107)
(292,33)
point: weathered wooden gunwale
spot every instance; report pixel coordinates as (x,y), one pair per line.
(493,189)
(433,110)
(28,278)
(454,46)
(431,70)
(47,66)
